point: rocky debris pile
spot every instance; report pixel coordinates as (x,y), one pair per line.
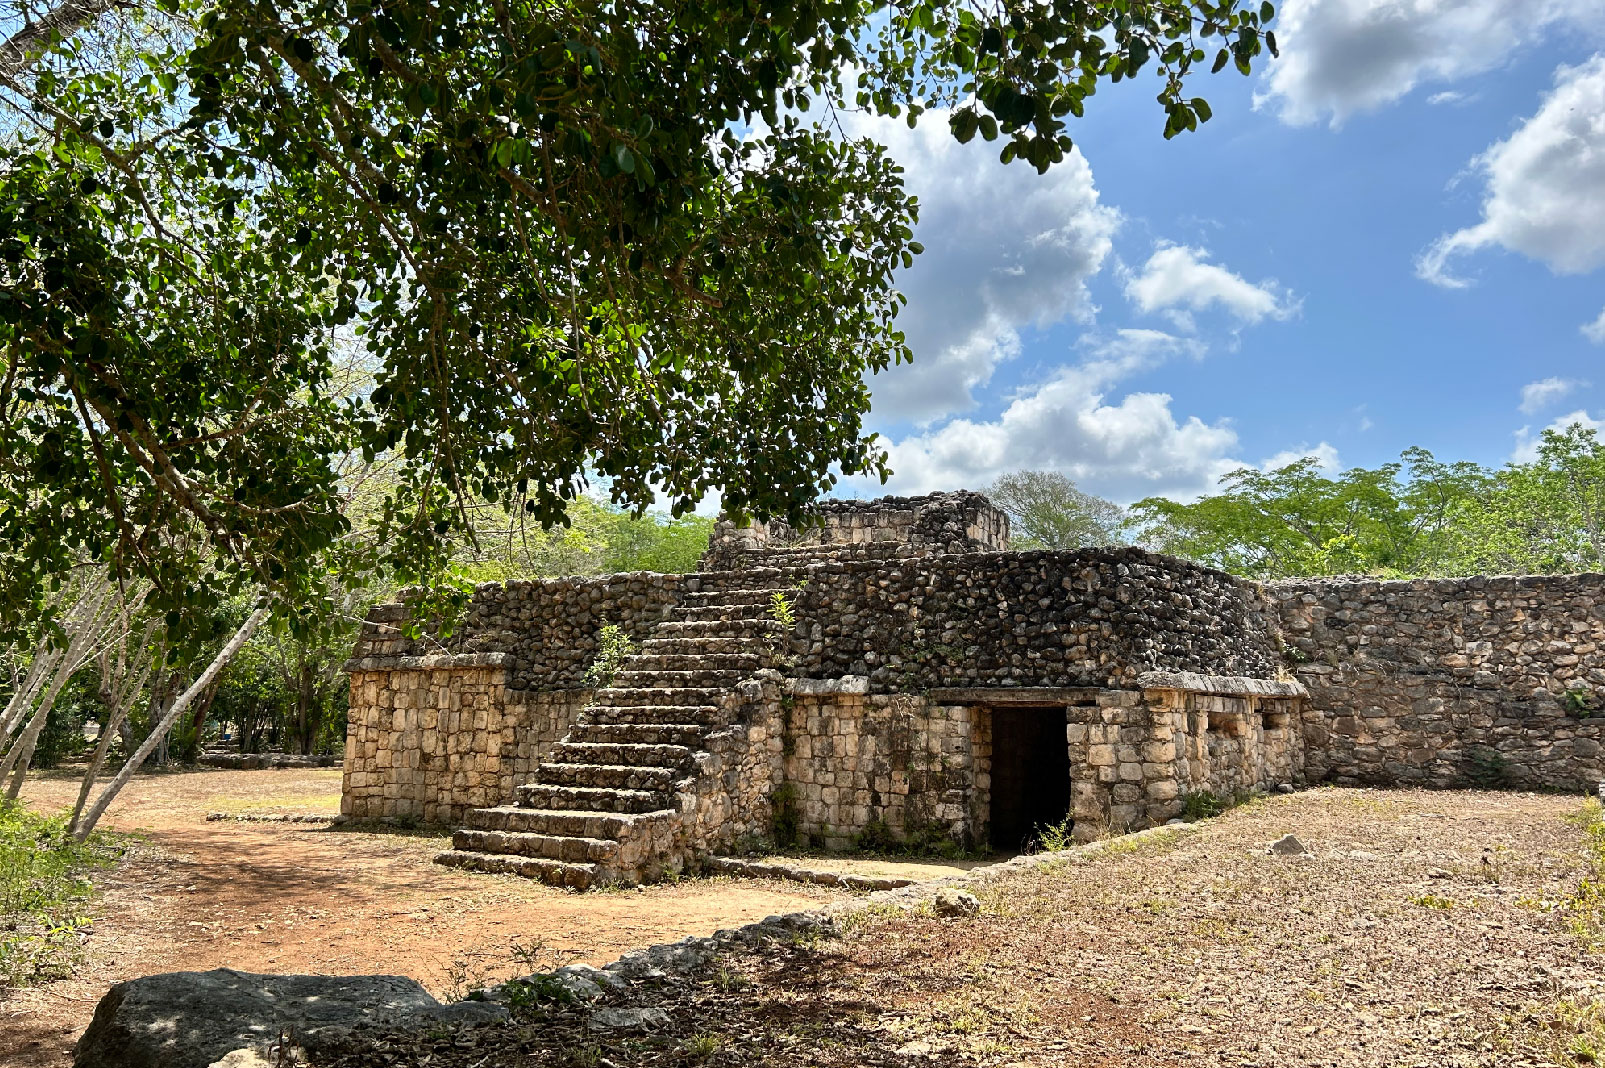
(195,1019)
(955,903)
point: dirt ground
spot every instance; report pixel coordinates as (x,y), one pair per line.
(1422,930)
(267,897)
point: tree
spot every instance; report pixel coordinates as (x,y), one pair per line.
(540,219)
(1390,521)
(1047,511)
(1543,516)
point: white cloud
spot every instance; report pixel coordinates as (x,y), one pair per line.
(1545,185)
(1528,440)
(1342,57)
(1124,449)
(1177,279)
(1595,331)
(1325,454)
(1006,249)
(1536,396)
(1451,96)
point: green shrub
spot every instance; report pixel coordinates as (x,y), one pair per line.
(784,817)
(44,893)
(613,647)
(1057,837)
(1203,805)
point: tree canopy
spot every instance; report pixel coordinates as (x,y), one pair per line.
(1419,516)
(576,239)
(1047,511)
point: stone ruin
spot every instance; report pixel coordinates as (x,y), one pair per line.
(896,673)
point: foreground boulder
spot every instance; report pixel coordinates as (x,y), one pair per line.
(195,1019)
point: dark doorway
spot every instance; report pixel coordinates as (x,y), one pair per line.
(1030,773)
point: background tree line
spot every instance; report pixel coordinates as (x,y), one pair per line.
(1418,516)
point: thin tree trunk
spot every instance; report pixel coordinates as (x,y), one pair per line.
(85,630)
(117,712)
(159,732)
(23,48)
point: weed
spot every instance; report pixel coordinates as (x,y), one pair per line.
(1587,904)
(1487,768)
(784,816)
(703,1045)
(1433,901)
(44,893)
(613,647)
(1203,805)
(1057,837)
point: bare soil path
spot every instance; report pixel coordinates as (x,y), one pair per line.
(275,897)
(1422,930)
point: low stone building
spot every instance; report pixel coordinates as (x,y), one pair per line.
(897,672)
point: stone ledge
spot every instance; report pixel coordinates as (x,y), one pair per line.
(1225,685)
(1014,695)
(433,662)
(753,869)
(847,684)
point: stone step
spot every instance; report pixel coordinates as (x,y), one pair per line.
(613,776)
(691,661)
(704,645)
(748,594)
(707,613)
(637,696)
(591,798)
(703,715)
(718,680)
(749,627)
(553,872)
(566,823)
(574,849)
(686,734)
(638,756)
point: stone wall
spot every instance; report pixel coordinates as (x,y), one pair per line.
(1450,681)
(852,760)
(429,738)
(545,628)
(1092,617)
(935,523)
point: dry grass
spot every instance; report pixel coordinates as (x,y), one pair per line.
(1424,929)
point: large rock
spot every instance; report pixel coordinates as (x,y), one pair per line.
(195,1019)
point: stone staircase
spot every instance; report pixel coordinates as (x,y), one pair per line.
(607,803)
(611,803)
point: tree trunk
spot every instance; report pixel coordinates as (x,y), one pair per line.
(159,731)
(23,48)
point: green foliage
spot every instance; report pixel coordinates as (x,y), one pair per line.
(781,611)
(1047,511)
(1487,768)
(532,229)
(784,816)
(1057,837)
(1419,516)
(44,893)
(1578,700)
(597,538)
(1203,805)
(1390,521)
(1587,905)
(613,647)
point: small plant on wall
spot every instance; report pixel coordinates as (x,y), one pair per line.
(1579,701)
(613,647)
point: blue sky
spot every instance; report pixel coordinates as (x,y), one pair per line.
(1394,236)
